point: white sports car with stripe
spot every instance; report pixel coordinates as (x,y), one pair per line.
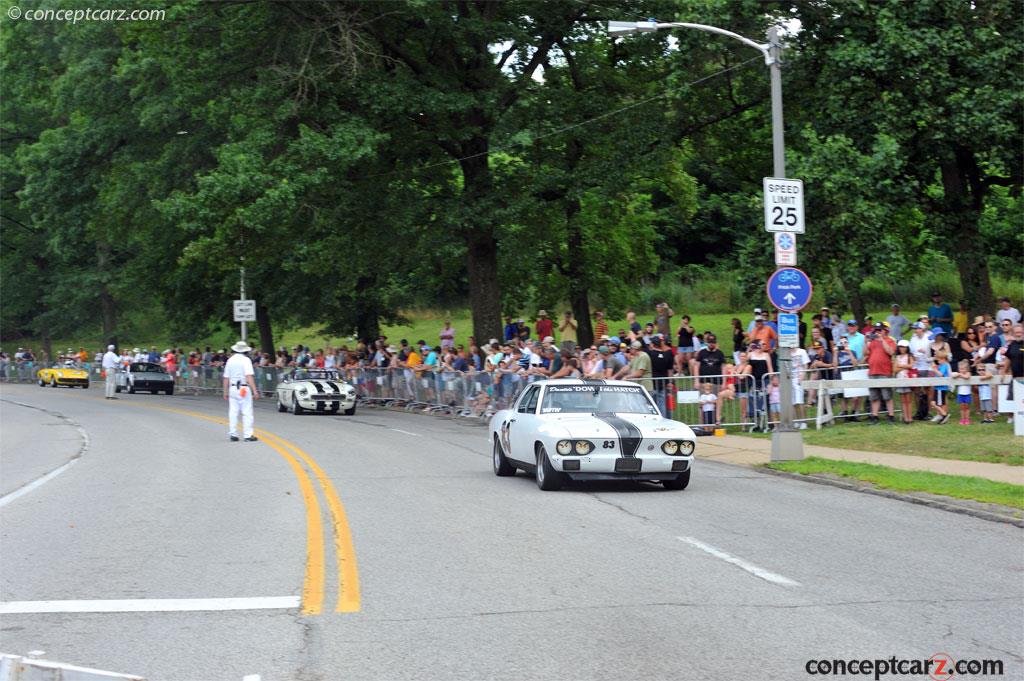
(572,429)
(320,391)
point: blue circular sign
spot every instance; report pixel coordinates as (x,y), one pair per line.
(789,289)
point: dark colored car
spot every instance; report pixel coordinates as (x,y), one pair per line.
(145,376)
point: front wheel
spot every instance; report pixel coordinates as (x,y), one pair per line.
(350,411)
(281,405)
(85,386)
(131,388)
(170,391)
(42,383)
(502,468)
(296,407)
(679,483)
(548,479)
(53,381)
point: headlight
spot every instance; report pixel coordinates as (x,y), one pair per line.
(583,446)
(670,447)
(686,447)
(564,447)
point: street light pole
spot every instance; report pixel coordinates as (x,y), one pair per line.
(787,442)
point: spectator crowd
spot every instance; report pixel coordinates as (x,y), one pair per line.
(939,342)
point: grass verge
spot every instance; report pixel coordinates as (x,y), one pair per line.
(988,442)
(959,487)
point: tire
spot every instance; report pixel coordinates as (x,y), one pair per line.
(548,479)
(131,388)
(85,387)
(280,405)
(502,468)
(170,391)
(53,381)
(42,383)
(297,409)
(350,411)
(679,483)
(117,388)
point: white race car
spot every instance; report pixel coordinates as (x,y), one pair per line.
(315,390)
(590,430)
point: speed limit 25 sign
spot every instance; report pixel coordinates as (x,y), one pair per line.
(783,205)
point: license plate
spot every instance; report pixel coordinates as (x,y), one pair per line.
(628,465)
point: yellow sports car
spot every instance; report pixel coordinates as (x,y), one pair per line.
(69,376)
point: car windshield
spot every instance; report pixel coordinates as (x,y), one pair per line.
(315,374)
(147,367)
(592,399)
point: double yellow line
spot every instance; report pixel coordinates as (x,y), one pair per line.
(314,583)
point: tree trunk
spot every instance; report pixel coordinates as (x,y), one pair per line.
(851,282)
(266,331)
(575,271)
(108,308)
(481,244)
(962,206)
(367,313)
(47,344)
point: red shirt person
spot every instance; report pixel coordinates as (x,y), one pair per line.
(545,327)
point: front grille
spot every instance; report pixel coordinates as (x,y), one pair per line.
(630,465)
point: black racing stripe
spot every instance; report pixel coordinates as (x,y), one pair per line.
(335,386)
(319,388)
(629,435)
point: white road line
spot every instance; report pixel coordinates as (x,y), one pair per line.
(766,575)
(151,605)
(38,482)
(251,677)
(399,430)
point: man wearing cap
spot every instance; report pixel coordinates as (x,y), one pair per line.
(826,318)
(600,325)
(940,314)
(110,362)
(240,391)
(662,362)
(855,339)
(879,356)
(639,363)
(898,324)
(753,322)
(763,333)
(544,326)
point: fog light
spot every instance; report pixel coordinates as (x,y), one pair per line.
(571,465)
(680,466)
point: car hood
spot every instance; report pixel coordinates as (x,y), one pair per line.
(319,386)
(609,425)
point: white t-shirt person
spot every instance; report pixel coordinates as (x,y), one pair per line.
(240,391)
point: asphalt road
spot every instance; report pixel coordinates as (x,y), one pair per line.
(461,575)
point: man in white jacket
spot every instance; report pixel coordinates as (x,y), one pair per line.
(111,360)
(240,391)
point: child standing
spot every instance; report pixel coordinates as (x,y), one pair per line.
(988,413)
(963,392)
(939,400)
(708,403)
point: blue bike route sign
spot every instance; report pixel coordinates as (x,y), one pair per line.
(789,289)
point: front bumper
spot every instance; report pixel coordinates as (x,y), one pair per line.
(72,381)
(650,467)
(327,403)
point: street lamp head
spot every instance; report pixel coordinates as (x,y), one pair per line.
(620,28)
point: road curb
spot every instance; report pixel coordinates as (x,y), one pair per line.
(889,494)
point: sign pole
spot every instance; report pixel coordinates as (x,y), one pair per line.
(241,273)
(787,441)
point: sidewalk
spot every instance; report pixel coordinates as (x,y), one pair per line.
(752,451)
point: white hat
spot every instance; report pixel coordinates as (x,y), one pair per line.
(240,346)
(135,350)
(109,347)
(904,343)
(548,339)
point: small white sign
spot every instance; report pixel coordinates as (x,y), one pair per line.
(783,205)
(785,249)
(789,330)
(245,310)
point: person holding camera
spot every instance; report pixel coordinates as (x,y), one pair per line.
(880,351)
